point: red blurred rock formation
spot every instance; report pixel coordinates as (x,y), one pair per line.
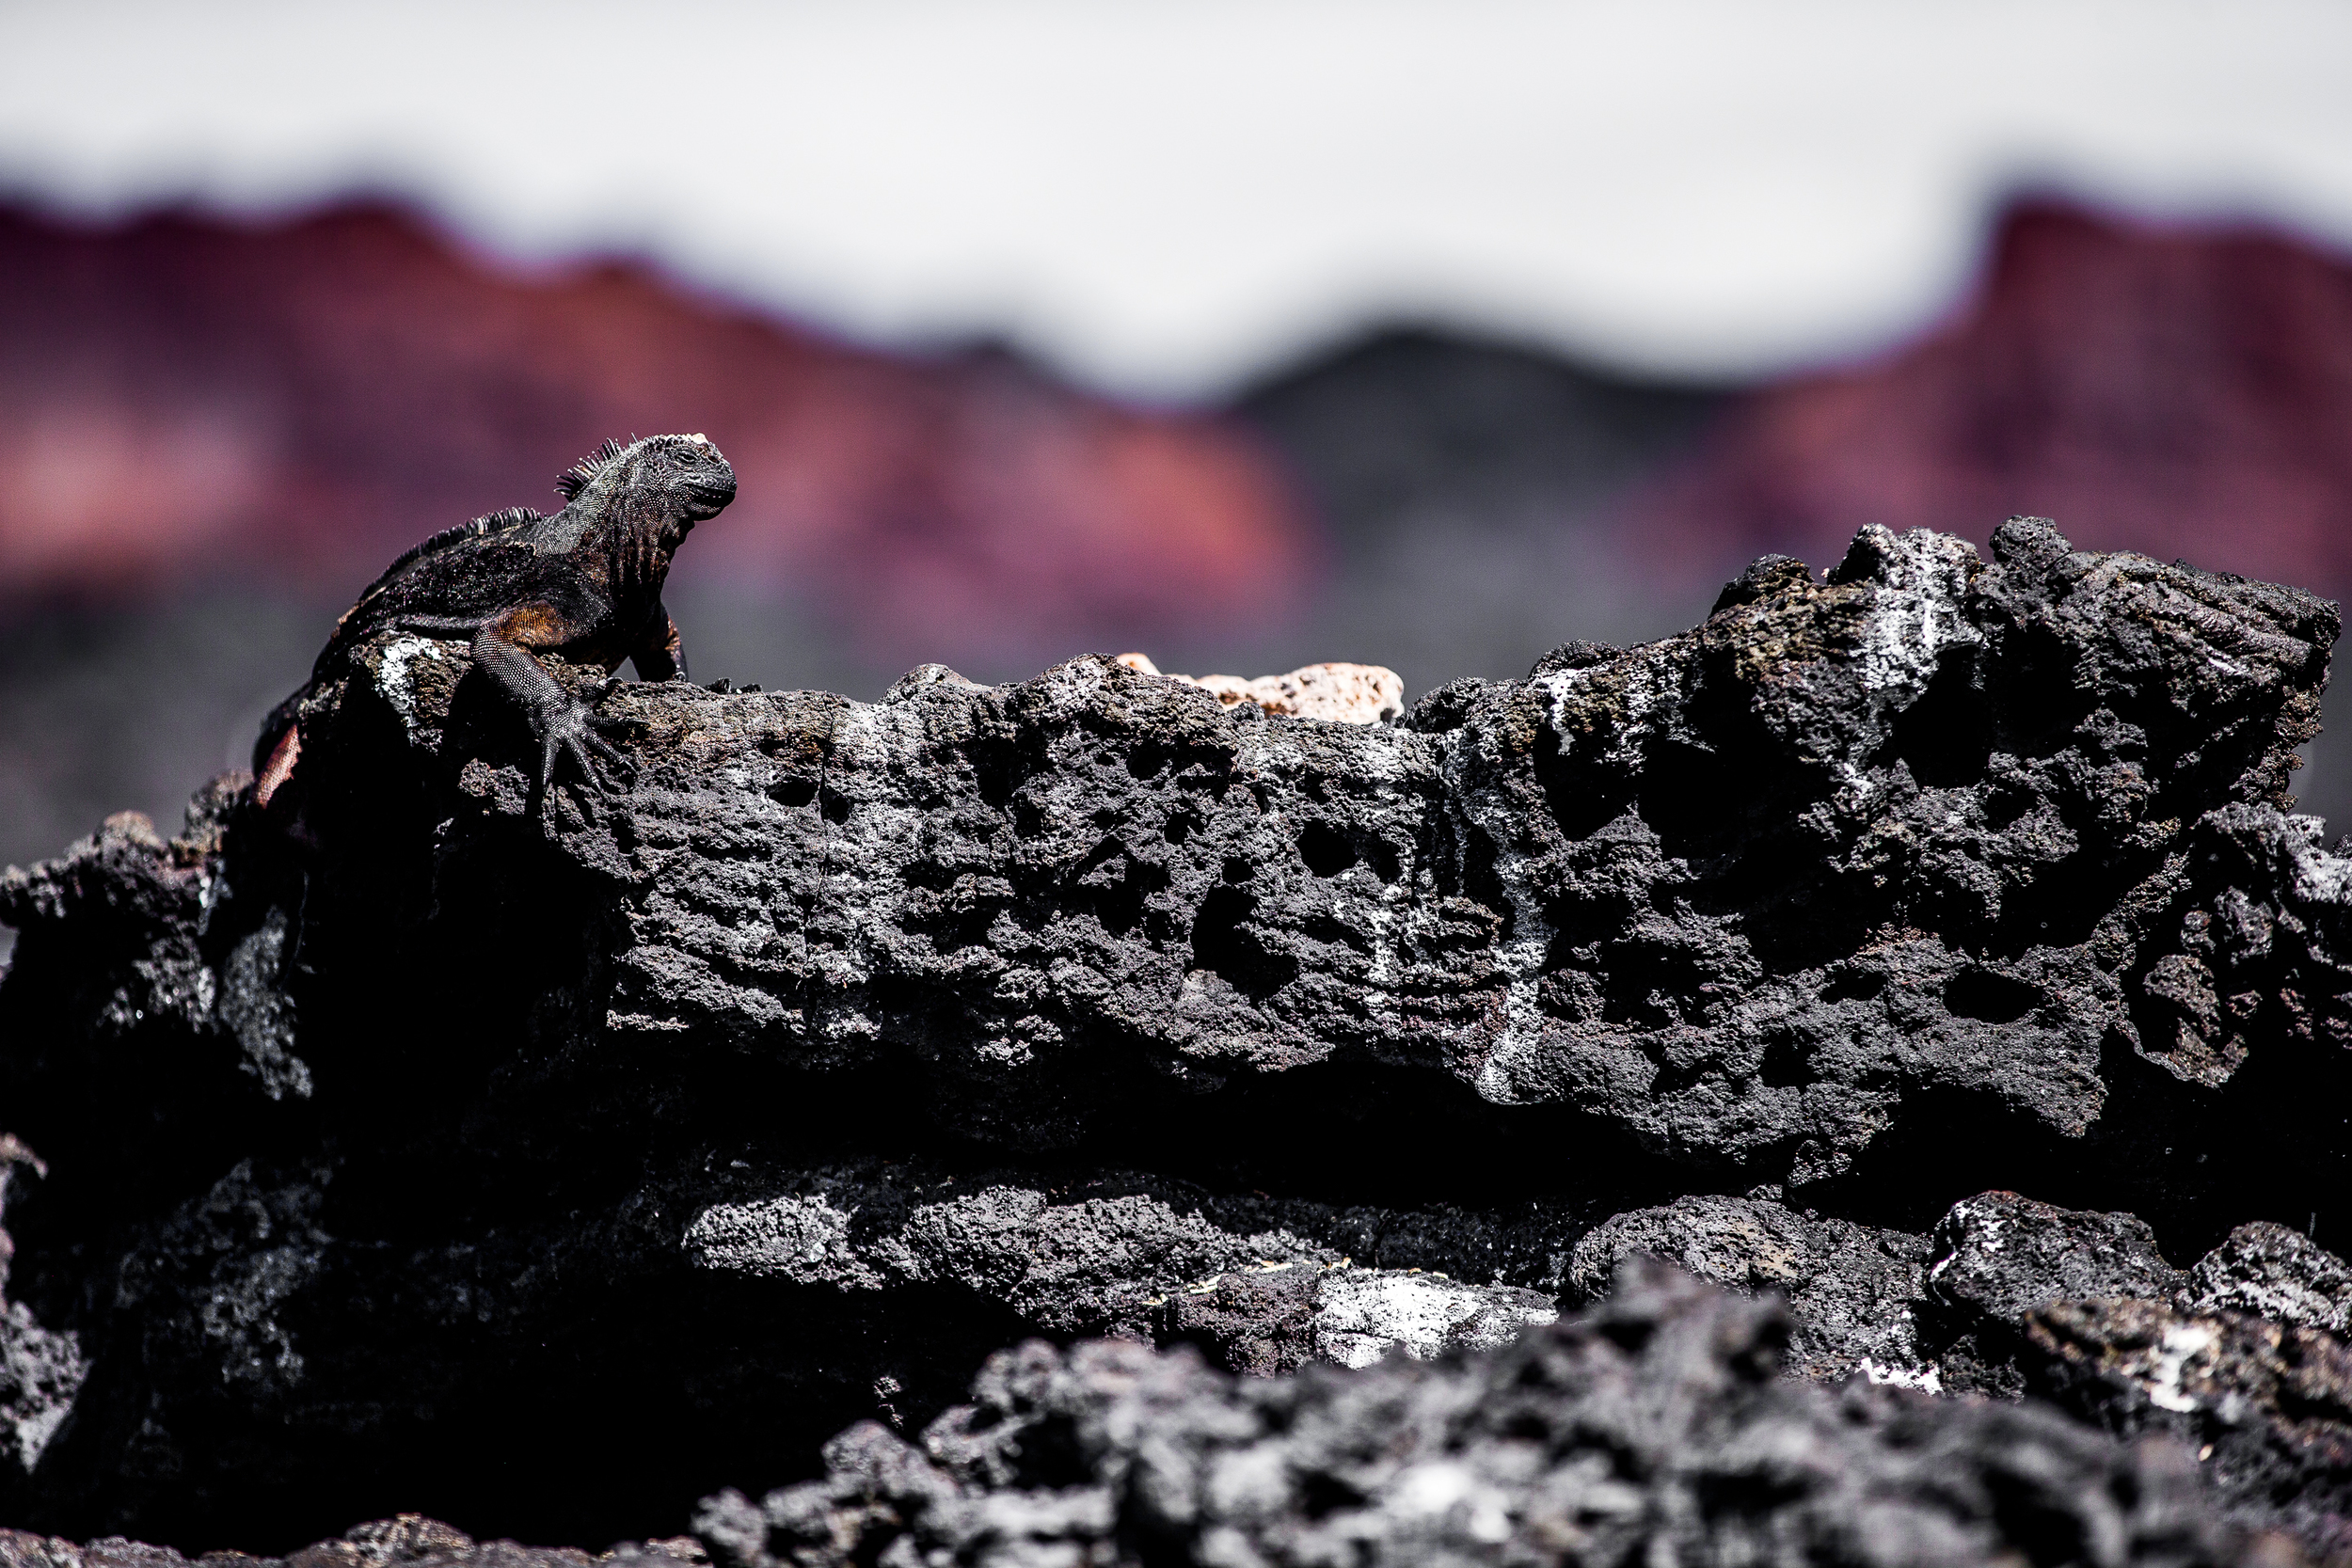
(2176,390)
(302,400)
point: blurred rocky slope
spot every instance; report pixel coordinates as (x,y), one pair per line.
(1649,1428)
(548,1163)
(217,431)
(1649,1431)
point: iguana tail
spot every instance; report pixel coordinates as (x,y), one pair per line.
(277,750)
(280,766)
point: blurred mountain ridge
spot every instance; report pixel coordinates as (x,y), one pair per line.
(183,396)
(216,430)
(2179,388)
(2172,388)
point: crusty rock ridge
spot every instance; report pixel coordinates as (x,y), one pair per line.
(1650,1430)
(851,1042)
(407,1541)
(2010,1298)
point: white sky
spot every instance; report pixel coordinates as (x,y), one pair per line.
(1168,196)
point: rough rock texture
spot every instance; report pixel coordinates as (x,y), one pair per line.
(851,1042)
(1748,895)
(2268,1271)
(1119,1259)
(1998,1256)
(41,1372)
(409,1541)
(2266,1408)
(1751,898)
(1650,1430)
(1854,1292)
(2011,1298)
(1344,693)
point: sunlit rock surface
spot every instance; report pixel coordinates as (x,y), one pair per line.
(842,1044)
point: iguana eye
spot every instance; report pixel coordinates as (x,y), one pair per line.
(689,456)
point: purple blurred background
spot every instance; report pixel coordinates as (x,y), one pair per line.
(1246,336)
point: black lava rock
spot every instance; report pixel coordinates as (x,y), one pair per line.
(400,1159)
(410,1541)
(2267,1271)
(1650,1430)
(2266,1408)
(1854,1293)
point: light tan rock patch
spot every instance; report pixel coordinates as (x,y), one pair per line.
(1347,693)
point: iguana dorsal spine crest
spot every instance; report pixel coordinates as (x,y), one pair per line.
(572,481)
(494,522)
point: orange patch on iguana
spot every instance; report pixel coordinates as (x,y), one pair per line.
(531,626)
(543,628)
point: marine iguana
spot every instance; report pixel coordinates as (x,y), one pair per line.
(585,584)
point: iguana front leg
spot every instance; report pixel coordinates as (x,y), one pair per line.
(563,725)
(660,656)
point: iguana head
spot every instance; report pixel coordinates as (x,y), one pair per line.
(680,479)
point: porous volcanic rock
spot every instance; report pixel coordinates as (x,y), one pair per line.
(1999,1256)
(2266,1408)
(1125,1255)
(1650,1430)
(409,1541)
(1854,1292)
(2014,1299)
(41,1372)
(1752,897)
(2265,1270)
(840,1044)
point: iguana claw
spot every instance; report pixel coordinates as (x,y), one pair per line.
(575,733)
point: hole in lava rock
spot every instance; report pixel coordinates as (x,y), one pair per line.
(1784,1064)
(1854,986)
(1585,797)
(1223,944)
(1120,905)
(2069,900)
(995,771)
(1946,735)
(1990,998)
(793,792)
(1326,850)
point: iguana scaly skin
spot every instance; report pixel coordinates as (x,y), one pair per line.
(583,584)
